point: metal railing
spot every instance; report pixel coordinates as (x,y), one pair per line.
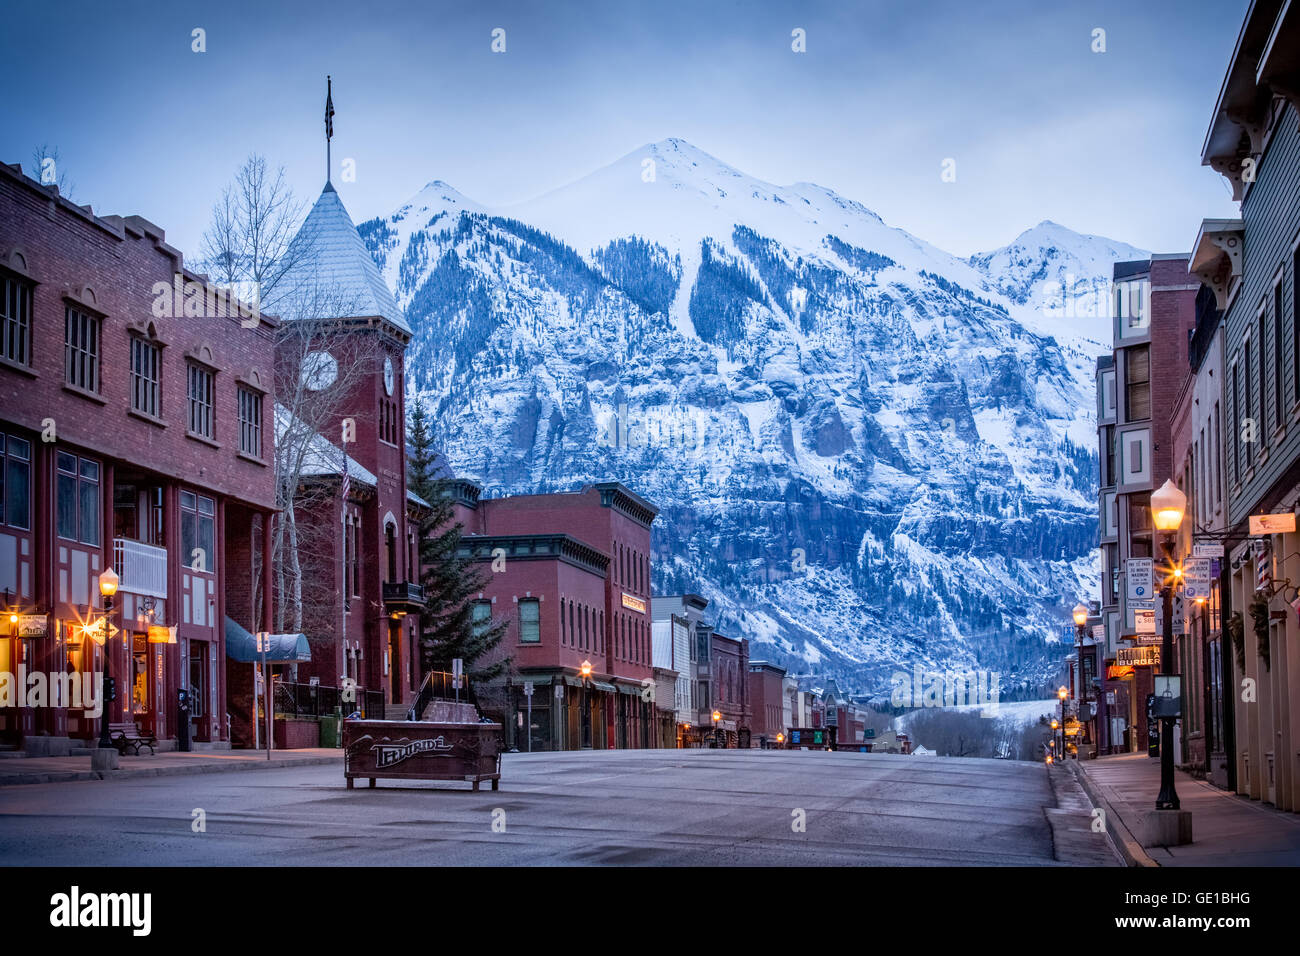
(440,685)
(141,567)
(315,700)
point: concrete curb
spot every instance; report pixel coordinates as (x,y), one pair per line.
(69,776)
(1119,835)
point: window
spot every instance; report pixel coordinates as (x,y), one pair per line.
(81,350)
(1236,439)
(481,616)
(530,627)
(15,320)
(250,422)
(1263,387)
(1218,468)
(78,499)
(1295,320)
(15,482)
(390,550)
(1108,455)
(356,558)
(1244,410)
(1137,383)
(1277,353)
(198,529)
(200,396)
(144,377)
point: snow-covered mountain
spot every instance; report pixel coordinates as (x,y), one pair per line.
(867,452)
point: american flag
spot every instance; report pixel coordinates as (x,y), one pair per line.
(343,492)
(329,108)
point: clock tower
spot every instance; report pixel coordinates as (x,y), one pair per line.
(343,360)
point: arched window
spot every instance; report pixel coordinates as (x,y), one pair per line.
(390,546)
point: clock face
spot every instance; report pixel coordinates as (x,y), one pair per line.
(388,375)
(320,370)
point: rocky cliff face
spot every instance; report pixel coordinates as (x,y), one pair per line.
(868,453)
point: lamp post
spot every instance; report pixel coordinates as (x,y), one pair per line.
(585,670)
(717,716)
(1167,507)
(108,581)
(1080,615)
(1062,693)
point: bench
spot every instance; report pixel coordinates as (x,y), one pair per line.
(126,735)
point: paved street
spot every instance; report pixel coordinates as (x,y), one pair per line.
(682,807)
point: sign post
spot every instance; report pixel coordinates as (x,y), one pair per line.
(263,645)
(457,668)
(528,692)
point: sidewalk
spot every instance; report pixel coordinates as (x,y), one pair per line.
(64,769)
(1227,830)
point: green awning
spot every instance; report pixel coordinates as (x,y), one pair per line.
(241,646)
(607,688)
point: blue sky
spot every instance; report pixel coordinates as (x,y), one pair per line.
(1040,126)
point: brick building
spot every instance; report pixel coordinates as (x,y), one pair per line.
(766,701)
(723,667)
(134,410)
(1137,387)
(570,574)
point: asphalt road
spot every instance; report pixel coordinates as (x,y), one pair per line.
(664,807)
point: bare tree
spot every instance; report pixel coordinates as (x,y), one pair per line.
(251,241)
(255,242)
(48,169)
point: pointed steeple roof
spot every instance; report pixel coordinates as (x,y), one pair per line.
(338,260)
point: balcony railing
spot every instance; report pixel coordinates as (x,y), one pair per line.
(141,567)
(403,596)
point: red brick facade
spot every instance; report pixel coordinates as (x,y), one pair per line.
(118,469)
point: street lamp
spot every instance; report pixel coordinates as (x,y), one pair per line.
(1080,615)
(1062,692)
(717,716)
(585,671)
(1167,507)
(108,582)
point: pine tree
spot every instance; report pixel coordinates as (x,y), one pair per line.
(447,629)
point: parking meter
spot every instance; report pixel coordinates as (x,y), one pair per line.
(183,720)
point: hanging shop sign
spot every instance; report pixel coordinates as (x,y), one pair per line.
(1145,655)
(1144,620)
(33,625)
(1207,549)
(1272,524)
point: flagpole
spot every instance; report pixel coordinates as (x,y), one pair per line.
(329,124)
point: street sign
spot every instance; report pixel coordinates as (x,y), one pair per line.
(528,689)
(1207,549)
(1196,578)
(1099,632)
(1138,572)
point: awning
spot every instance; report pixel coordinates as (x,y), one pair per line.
(241,646)
(607,688)
(631,691)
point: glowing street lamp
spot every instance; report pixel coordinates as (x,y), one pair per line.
(585,670)
(1167,507)
(108,582)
